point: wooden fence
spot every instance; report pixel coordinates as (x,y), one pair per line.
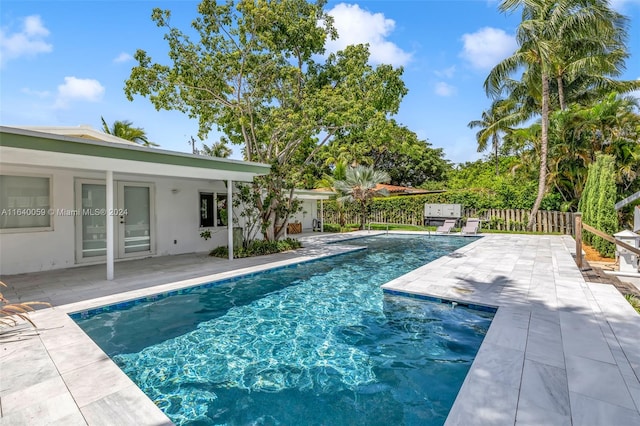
(498,219)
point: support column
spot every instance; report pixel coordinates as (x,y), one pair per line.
(230,217)
(321,216)
(110,228)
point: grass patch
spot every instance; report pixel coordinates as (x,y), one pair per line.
(633,301)
(258,248)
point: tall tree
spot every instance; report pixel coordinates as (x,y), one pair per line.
(125,130)
(217,149)
(256,74)
(495,121)
(359,186)
(547,34)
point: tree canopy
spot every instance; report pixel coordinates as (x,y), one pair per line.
(125,130)
(258,73)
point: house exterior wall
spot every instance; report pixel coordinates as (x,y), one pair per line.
(306,216)
(177,221)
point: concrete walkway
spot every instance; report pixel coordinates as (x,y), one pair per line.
(559,350)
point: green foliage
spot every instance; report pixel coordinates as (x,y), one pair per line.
(597,204)
(476,185)
(392,148)
(258,248)
(359,188)
(256,71)
(331,227)
(633,301)
(125,130)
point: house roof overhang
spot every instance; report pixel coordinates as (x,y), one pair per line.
(32,148)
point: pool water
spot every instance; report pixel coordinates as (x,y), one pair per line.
(317,344)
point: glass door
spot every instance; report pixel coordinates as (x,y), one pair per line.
(134,218)
(93,221)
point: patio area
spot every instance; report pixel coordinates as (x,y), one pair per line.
(559,351)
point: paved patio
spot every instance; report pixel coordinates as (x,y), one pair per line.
(559,350)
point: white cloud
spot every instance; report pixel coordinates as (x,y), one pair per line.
(487,46)
(444,89)
(78,89)
(447,72)
(36,93)
(29,41)
(358,26)
(123,57)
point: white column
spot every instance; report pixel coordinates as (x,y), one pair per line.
(230,217)
(321,216)
(110,229)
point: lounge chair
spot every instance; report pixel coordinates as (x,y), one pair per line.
(471,227)
(445,228)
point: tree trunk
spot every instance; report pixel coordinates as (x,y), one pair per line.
(563,103)
(495,149)
(543,151)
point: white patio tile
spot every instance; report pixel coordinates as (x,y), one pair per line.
(545,386)
(595,412)
(483,402)
(597,380)
(128,406)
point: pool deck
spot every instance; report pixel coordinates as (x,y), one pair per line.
(559,350)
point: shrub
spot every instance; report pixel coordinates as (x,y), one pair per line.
(258,248)
(598,203)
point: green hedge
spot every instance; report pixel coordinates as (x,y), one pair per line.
(258,248)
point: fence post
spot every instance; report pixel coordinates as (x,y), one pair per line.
(578,231)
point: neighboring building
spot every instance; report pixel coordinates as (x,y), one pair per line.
(312,211)
(58,187)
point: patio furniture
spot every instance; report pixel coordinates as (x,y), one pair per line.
(317,225)
(445,228)
(471,227)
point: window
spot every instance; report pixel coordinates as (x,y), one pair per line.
(221,209)
(206,210)
(213,209)
(24,202)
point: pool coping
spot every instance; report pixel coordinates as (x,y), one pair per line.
(510,379)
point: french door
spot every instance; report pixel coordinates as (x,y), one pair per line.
(134,219)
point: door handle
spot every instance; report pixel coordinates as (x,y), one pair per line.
(121,219)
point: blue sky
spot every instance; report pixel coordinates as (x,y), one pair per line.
(64,63)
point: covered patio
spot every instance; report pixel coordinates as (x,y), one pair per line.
(99,201)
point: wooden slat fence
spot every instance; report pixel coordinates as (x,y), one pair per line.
(498,219)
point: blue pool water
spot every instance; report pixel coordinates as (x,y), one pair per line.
(316,344)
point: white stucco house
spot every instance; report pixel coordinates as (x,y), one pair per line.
(73,196)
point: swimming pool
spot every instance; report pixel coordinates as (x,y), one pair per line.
(318,343)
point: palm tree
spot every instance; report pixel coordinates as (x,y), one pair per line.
(359,186)
(217,149)
(494,121)
(125,130)
(548,31)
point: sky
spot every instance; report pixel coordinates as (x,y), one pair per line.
(64,63)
